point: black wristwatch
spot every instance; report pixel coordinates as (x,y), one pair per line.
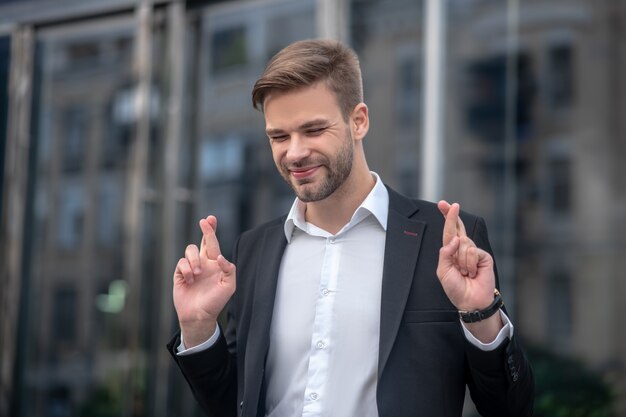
(480,315)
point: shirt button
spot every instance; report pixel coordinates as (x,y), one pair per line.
(314,396)
(325,291)
(332,240)
(320,345)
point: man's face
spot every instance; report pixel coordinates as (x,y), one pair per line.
(311,144)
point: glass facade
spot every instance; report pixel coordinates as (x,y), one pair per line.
(131,122)
(76,350)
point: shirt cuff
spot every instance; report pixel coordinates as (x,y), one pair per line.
(505,332)
(182,351)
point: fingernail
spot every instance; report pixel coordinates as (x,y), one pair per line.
(197,270)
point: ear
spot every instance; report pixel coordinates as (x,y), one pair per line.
(359,121)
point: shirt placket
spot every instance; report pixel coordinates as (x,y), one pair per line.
(321,344)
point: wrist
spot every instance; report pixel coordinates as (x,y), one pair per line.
(197,332)
(487,330)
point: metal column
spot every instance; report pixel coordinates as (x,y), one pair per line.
(432,177)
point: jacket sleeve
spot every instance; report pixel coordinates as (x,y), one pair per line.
(501,382)
(212,376)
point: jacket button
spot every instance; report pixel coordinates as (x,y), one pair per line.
(241,404)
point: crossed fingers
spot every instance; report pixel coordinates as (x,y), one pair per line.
(466,257)
(189,267)
(209,247)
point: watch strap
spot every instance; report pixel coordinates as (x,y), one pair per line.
(480,315)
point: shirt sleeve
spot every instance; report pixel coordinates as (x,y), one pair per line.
(182,351)
(505,332)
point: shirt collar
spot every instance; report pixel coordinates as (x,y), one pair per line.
(376,203)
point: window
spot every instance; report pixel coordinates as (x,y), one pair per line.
(407,92)
(561,185)
(64,314)
(229,49)
(559,299)
(486,98)
(71,215)
(75,127)
(560,88)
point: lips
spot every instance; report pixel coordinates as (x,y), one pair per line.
(302,173)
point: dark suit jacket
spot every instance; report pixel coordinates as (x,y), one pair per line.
(425,361)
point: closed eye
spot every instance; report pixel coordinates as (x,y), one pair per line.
(315,132)
(279,138)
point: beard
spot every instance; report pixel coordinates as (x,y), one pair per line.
(337,171)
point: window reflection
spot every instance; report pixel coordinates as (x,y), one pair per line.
(486,90)
(229,49)
(71,215)
(222,160)
(292,22)
(560,75)
(79,181)
(560,306)
(75,127)
(109,212)
(65,315)
(560,186)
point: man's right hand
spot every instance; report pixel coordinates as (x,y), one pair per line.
(204,281)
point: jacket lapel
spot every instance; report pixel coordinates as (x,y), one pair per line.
(402,245)
(272,248)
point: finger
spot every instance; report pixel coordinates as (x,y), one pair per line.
(183,270)
(227,268)
(193,256)
(472,261)
(460,227)
(210,246)
(443,207)
(447,254)
(450,226)
(212,221)
(213,224)
(463,253)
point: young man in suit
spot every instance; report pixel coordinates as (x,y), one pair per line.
(360,302)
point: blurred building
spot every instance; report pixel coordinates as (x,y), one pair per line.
(123,122)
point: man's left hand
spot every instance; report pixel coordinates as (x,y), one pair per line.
(466,273)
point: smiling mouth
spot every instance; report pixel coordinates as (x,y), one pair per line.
(300,173)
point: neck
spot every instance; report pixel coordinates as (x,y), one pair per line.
(335,211)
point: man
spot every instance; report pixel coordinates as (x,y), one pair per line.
(349,305)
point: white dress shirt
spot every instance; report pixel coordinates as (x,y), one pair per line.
(324,337)
(323,354)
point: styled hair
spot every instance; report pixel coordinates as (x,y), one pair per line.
(307,62)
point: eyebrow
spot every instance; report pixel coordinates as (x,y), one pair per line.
(316,123)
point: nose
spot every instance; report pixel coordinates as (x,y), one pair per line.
(297,149)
